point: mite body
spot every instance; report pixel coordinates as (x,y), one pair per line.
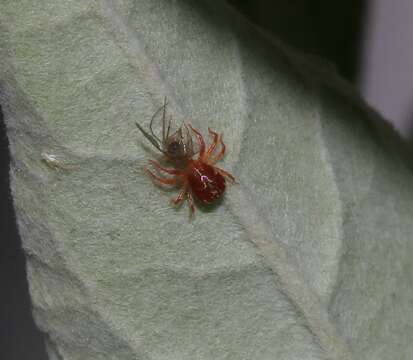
(206,183)
(198,178)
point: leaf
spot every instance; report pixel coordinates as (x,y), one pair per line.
(307,258)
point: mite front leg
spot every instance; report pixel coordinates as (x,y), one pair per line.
(221,152)
(213,145)
(170,181)
(200,140)
(164,169)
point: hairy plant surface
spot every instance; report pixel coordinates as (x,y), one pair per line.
(309,257)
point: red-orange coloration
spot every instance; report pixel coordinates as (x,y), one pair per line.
(198,178)
(205,182)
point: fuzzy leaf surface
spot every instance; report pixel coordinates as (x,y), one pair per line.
(308,257)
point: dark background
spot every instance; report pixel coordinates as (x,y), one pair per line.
(19,337)
(330,29)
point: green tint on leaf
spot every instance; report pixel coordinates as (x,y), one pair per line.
(308,257)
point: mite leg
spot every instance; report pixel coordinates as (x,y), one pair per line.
(214,143)
(164,118)
(154,116)
(200,140)
(171,181)
(225,173)
(169,128)
(220,155)
(181,196)
(191,204)
(164,169)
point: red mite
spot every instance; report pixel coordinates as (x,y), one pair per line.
(198,178)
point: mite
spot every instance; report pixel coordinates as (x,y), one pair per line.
(198,177)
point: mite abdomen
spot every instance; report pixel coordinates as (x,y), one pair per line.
(206,184)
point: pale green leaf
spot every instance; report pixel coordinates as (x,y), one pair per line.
(308,257)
